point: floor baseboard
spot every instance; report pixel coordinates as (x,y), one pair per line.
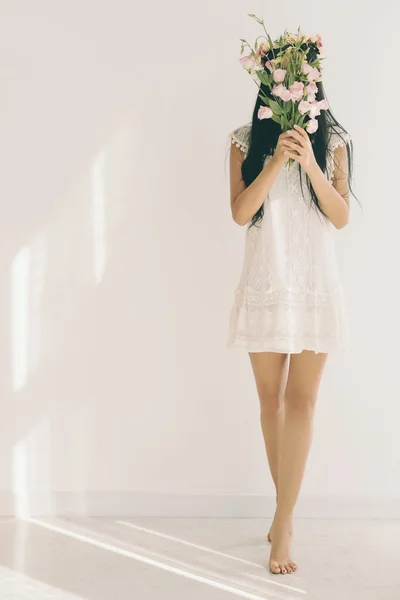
(138,504)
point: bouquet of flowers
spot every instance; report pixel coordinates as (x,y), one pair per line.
(282,65)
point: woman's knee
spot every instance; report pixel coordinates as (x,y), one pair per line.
(270,402)
(300,399)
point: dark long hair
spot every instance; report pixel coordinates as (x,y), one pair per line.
(264,137)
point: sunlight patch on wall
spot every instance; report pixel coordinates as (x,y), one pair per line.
(38,267)
(20,318)
(31,470)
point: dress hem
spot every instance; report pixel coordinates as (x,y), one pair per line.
(271,346)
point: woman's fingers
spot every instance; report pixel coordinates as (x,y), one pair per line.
(296,145)
(290,134)
(296,135)
(292,140)
(293,146)
(302,132)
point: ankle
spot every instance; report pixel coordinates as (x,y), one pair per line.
(283,516)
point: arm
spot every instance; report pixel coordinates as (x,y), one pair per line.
(246,201)
(333,197)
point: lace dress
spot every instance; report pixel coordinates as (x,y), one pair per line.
(289,297)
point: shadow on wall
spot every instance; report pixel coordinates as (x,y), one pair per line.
(74,300)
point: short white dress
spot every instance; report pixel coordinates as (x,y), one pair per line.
(289,297)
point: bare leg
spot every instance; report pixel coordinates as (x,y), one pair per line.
(270,369)
(305,372)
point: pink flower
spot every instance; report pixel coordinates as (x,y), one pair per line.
(311,98)
(306,68)
(264,112)
(269,66)
(297,91)
(282,92)
(312,88)
(317,39)
(277,90)
(313,74)
(286,95)
(304,107)
(247,62)
(315,110)
(312,126)
(279,75)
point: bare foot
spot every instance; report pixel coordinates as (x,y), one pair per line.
(280,561)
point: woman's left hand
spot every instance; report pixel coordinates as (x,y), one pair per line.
(298,146)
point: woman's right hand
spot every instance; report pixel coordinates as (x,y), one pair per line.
(279,154)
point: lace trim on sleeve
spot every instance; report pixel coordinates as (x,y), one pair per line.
(336,140)
(239,137)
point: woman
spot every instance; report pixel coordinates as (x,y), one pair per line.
(289,310)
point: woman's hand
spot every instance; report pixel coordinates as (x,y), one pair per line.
(279,155)
(297,145)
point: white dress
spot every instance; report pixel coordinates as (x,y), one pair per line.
(289,296)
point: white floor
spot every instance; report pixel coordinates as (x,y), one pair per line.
(193,559)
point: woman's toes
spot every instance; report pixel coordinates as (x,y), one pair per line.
(280,551)
(275,568)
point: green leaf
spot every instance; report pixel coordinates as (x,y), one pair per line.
(287,107)
(275,107)
(264,98)
(270,41)
(298,118)
(256,18)
(276,119)
(268,78)
(262,77)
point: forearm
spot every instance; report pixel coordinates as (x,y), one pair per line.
(250,200)
(332,203)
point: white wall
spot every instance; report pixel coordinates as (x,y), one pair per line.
(119,259)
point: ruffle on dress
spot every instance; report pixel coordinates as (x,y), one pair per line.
(289,322)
